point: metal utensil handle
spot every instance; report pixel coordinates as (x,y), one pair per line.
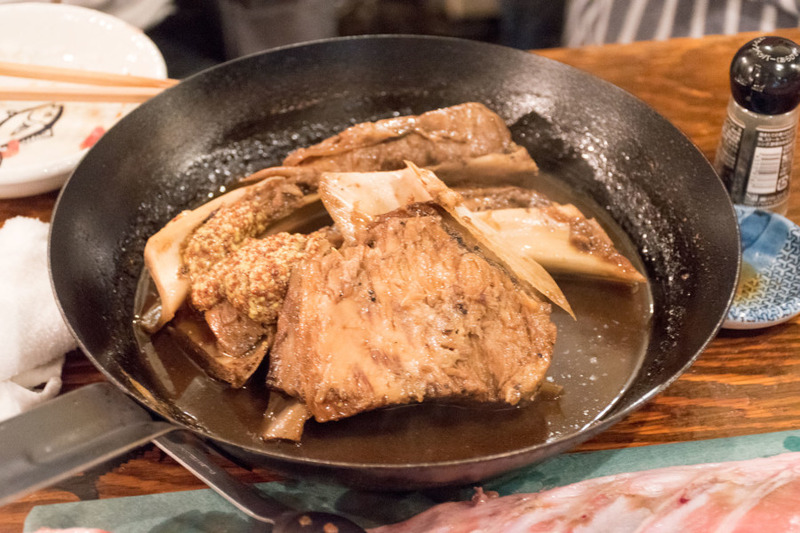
(69,434)
(195,456)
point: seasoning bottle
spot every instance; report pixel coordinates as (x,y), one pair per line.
(754,157)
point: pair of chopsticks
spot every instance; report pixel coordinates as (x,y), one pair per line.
(100,86)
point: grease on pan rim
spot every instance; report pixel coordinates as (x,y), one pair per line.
(769,284)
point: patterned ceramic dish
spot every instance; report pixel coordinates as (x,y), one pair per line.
(769,283)
(41,142)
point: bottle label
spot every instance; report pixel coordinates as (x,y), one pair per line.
(728,153)
(755,165)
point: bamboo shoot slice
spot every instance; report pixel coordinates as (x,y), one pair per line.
(548,235)
(285,418)
(354,199)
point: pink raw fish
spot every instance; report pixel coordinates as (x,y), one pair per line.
(70,530)
(758,495)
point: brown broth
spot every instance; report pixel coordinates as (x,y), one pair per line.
(595,359)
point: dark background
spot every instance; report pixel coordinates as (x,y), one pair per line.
(203,33)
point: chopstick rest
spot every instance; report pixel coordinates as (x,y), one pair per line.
(34,336)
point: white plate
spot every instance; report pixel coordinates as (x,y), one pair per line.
(769,284)
(42,142)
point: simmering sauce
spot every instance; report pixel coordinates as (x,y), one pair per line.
(595,358)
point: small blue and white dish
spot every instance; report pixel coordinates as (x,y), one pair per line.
(769,283)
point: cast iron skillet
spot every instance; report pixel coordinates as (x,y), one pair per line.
(184,145)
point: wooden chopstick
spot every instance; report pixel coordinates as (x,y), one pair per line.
(79,94)
(40,72)
(122,88)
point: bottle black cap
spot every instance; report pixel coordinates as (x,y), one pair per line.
(765,75)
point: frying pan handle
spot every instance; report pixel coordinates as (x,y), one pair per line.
(69,434)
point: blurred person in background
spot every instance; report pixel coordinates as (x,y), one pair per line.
(535,23)
(196,34)
(622,21)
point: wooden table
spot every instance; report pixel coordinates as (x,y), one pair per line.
(744,383)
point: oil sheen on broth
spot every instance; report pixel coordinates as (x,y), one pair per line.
(595,358)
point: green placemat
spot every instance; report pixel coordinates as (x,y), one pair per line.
(204,511)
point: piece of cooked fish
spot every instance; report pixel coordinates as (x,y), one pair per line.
(413,311)
(465,143)
(448,135)
(225,343)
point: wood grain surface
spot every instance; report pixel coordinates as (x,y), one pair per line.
(744,382)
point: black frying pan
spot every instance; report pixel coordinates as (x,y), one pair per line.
(184,145)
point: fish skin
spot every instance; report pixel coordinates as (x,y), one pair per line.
(757,495)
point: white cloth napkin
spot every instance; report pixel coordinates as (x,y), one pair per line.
(33,336)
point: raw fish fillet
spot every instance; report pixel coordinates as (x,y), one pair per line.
(70,530)
(758,495)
